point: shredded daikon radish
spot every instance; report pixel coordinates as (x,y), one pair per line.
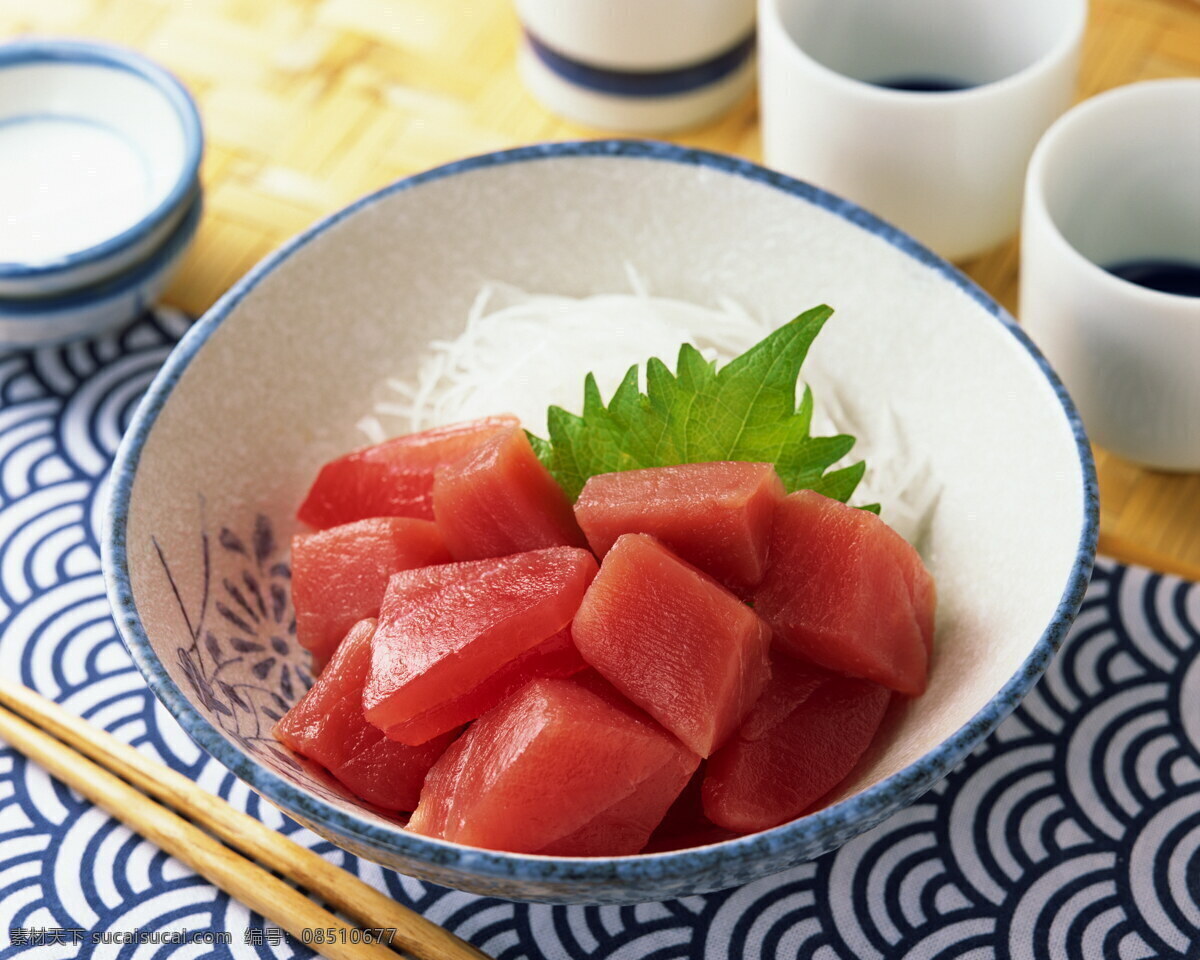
(902,484)
(520,353)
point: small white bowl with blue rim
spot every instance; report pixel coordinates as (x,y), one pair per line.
(99,160)
(47,321)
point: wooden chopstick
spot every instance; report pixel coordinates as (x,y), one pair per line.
(248,882)
(103,782)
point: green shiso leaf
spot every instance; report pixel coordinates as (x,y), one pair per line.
(746,410)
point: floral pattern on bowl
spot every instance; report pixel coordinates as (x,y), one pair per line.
(243,664)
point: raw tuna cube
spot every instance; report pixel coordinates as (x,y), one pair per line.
(716,516)
(444,631)
(393,478)
(802,738)
(844,590)
(327,726)
(555,657)
(543,765)
(625,827)
(674,641)
(339,575)
(499,499)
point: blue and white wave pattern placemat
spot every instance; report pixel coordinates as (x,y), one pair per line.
(1074,832)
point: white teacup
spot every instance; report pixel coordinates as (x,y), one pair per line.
(1116,182)
(945,166)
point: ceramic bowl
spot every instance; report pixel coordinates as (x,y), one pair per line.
(271,382)
(99,156)
(94,309)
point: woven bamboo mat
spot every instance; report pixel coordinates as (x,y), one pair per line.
(309,104)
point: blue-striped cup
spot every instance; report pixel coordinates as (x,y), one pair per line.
(644,66)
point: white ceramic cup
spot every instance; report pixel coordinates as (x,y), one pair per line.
(645,66)
(1117,181)
(946,167)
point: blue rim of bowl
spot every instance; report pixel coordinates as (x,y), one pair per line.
(771,846)
(44,308)
(26,52)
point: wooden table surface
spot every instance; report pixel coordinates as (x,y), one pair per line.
(309,104)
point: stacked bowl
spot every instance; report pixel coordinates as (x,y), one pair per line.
(99,187)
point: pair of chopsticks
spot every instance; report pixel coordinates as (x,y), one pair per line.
(127,785)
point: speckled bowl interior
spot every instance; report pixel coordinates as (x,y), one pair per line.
(272,381)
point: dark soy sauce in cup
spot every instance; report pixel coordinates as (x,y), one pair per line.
(923,84)
(1167,276)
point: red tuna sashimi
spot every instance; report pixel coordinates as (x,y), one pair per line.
(802,738)
(500,499)
(540,767)
(444,631)
(339,575)
(674,641)
(327,726)
(393,478)
(716,516)
(844,590)
(625,827)
(555,657)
